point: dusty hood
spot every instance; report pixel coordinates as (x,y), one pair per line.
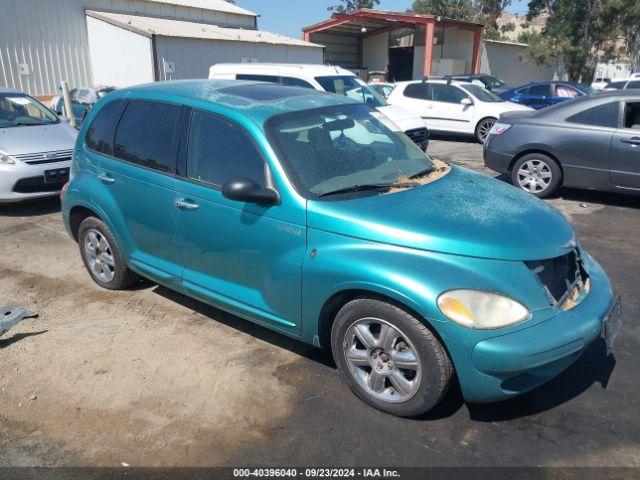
(463,213)
(35,139)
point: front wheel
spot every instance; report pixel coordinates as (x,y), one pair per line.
(537,174)
(483,128)
(389,358)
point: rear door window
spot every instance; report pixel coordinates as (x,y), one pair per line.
(219,151)
(421,91)
(258,77)
(447,93)
(539,90)
(296,82)
(601,116)
(99,137)
(147,135)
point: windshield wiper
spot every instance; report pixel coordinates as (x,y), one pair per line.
(422,173)
(367,186)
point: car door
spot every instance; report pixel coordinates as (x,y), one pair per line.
(244,257)
(138,186)
(446,108)
(417,97)
(625,149)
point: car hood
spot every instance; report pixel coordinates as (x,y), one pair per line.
(404,118)
(463,213)
(37,138)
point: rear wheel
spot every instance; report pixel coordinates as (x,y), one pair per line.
(389,358)
(483,128)
(102,257)
(537,174)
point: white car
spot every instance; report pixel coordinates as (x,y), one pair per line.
(622,84)
(325,79)
(452,106)
(35,148)
(599,83)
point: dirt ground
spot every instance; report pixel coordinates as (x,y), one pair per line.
(152,378)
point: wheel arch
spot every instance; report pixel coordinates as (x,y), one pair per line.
(339,299)
(77,214)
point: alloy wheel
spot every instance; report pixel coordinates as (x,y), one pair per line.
(484,128)
(382,360)
(99,255)
(534,176)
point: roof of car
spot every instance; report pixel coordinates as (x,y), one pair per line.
(436,80)
(255,101)
(291,68)
(7,90)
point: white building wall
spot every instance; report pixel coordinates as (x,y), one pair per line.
(119,58)
(193,57)
(512,64)
(375,51)
(50,36)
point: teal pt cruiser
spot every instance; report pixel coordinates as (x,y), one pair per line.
(315,216)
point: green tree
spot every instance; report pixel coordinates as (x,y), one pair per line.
(489,11)
(626,15)
(455,9)
(348,6)
(581,33)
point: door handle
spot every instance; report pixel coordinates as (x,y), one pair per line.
(187,205)
(634,141)
(104,178)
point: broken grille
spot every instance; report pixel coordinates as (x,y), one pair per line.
(563,278)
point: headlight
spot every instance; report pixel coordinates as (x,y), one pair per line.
(499,128)
(6,159)
(481,310)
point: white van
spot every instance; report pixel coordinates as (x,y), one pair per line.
(329,79)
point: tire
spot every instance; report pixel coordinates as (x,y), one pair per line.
(483,128)
(102,256)
(426,380)
(538,174)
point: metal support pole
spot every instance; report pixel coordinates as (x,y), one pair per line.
(68,107)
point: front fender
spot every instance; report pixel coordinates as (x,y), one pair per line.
(413,278)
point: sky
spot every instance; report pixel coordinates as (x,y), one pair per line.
(287,17)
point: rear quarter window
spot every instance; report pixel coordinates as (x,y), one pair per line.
(601,116)
(99,136)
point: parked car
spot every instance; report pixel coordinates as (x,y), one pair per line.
(491,83)
(452,107)
(542,94)
(82,100)
(325,79)
(307,214)
(622,84)
(383,88)
(35,148)
(599,83)
(590,142)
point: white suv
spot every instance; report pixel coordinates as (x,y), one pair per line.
(451,106)
(328,79)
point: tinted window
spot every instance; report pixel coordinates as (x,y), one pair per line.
(258,78)
(539,90)
(295,82)
(634,84)
(418,90)
(616,85)
(146,135)
(523,91)
(601,116)
(99,136)
(632,116)
(219,151)
(352,87)
(447,93)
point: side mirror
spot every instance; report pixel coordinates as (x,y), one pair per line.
(466,101)
(248,190)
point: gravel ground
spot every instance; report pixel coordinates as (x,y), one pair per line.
(152,378)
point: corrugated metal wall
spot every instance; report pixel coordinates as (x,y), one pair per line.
(50,36)
(340,49)
(193,57)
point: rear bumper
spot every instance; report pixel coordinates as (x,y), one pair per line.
(506,366)
(494,159)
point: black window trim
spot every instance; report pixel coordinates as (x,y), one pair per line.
(176,139)
(269,180)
